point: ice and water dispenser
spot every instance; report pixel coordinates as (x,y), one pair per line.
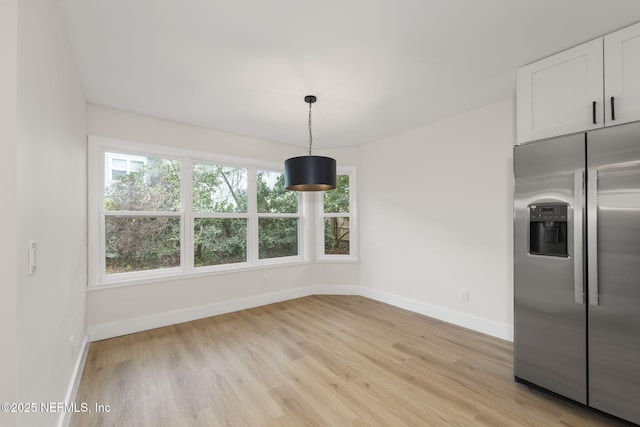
(548,229)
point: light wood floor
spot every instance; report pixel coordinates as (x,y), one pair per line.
(315,361)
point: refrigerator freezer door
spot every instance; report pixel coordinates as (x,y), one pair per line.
(614,323)
(550,312)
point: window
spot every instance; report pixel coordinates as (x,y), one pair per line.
(141,216)
(278,224)
(220,215)
(163,212)
(337,219)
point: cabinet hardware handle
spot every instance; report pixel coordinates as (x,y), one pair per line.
(613,109)
(593,112)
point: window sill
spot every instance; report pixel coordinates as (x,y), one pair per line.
(338,260)
(181,275)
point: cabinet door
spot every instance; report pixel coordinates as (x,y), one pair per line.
(622,76)
(556,94)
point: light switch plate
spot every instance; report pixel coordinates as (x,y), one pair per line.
(32,258)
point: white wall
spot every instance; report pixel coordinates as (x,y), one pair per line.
(8,213)
(51,207)
(436,218)
(118,310)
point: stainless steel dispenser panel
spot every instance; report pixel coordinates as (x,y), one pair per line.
(550,313)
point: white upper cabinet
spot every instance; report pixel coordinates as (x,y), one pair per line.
(622,76)
(556,95)
(589,86)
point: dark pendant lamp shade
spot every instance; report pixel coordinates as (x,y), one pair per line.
(310,173)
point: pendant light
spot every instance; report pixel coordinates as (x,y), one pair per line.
(310,173)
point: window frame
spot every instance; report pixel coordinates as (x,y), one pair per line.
(192,215)
(260,215)
(98,277)
(321,256)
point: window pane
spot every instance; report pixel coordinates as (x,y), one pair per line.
(219,188)
(277,237)
(219,241)
(119,164)
(336,236)
(337,201)
(141,243)
(155,186)
(272,196)
(135,165)
(115,174)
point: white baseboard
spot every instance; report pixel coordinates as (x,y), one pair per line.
(489,327)
(72,390)
(336,290)
(144,323)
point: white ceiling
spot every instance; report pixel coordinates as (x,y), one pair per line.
(378,67)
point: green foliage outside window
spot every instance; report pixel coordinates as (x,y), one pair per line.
(219,189)
(148,242)
(154,187)
(219,241)
(277,237)
(141,243)
(336,228)
(337,201)
(272,195)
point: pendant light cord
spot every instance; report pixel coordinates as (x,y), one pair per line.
(310,137)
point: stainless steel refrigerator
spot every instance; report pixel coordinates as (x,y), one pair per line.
(577,268)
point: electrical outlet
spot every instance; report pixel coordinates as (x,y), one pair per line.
(464,295)
(72,346)
(265,281)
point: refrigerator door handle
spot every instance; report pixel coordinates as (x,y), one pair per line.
(578,259)
(592,235)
